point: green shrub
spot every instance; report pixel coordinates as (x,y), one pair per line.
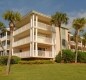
(58,58)
(14,60)
(67,56)
(36,62)
(3,60)
(81,57)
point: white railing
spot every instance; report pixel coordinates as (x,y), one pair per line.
(41,54)
(73,43)
(42,39)
(22,29)
(21,42)
(5,47)
(5,37)
(24,54)
(46,54)
(44,26)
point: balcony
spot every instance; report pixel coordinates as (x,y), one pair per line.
(5,37)
(24,54)
(41,54)
(5,47)
(21,42)
(73,43)
(44,26)
(44,54)
(22,29)
(45,40)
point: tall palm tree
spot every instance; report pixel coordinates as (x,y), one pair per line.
(2,29)
(78,24)
(58,19)
(84,40)
(11,16)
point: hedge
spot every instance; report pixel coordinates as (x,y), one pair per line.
(68,56)
(81,57)
(36,62)
(14,60)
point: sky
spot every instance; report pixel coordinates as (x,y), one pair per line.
(73,8)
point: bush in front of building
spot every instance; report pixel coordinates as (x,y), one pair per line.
(36,62)
(81,57)
(14,60)
(67,56)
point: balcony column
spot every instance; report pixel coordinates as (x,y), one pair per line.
(36,45)
(6,44)
(53,44)
(33,21)
(31,37)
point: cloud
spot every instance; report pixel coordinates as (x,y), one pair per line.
(72,16)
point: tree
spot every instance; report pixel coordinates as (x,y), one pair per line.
(78,24)
(11,16)
(2,29)
(57,19)
(84,41)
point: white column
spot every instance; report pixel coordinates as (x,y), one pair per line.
(36,45)
(31,30)
(31,36)
(6,44)
(52,50)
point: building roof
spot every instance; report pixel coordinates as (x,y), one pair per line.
(40,14)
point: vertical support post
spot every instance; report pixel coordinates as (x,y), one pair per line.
(36,45)
(6,45)
(33,35)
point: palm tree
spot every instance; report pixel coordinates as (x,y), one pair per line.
(84,40)
(57,19)
(11,16)
(2,29)
(78,24)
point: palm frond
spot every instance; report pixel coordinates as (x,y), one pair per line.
(12,16)
(59,18)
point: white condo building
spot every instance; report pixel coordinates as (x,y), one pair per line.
(35,37)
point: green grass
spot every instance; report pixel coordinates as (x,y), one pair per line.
(45,72)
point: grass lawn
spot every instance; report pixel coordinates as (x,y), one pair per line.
(45,72)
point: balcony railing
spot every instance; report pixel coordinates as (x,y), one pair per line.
(21,42)
(4,38)
(46,54)
(73,43)
(41,54)
(44,26)
(24,54)
(5,47)
(42,39)
(22,29)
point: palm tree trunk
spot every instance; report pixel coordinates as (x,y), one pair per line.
(76,48)
(60,40)
(10,53)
